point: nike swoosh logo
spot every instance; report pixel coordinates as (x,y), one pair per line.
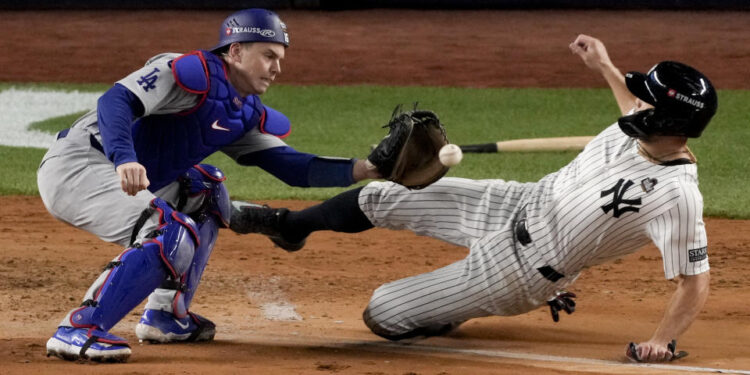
(185,326)
(216,126)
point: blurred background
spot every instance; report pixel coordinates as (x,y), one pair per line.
(364,4)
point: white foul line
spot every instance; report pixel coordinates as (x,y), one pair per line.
(332,342)
(544,358)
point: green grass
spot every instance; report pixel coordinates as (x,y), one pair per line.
(345,121)
(55,124)
(19,166)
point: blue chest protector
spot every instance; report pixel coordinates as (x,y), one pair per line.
(168,145)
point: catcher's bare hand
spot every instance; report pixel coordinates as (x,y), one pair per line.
(132,177)
(363,170)
(591,51)
(561,301)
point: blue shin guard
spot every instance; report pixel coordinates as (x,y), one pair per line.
(207,181)
(205,198)
(137,271)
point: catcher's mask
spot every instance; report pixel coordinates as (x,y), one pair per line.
(684,101)
(252,25)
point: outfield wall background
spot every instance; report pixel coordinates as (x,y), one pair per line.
(364,4)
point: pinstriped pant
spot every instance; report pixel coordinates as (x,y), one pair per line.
(494,279)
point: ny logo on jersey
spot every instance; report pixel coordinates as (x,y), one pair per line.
(147,81)
(617,192)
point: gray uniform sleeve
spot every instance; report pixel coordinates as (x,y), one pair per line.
(155,86)
(252,141)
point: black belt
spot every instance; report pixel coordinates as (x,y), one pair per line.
(524,238)
(94,143)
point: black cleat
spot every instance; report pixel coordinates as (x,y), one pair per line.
(255,218)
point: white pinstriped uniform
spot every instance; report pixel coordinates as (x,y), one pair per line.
(608,202)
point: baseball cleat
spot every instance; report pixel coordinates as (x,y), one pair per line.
(158,326)
(255,218)
(72,344)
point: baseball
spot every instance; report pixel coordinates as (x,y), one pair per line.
(450,155)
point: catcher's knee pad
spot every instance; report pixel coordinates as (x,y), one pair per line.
(203,194)
(138,270)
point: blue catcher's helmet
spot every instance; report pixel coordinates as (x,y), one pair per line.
(252,25)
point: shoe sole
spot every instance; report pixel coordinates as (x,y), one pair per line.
(288,246)
(156,336)
(69,352)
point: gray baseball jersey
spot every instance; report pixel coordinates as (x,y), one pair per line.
(608,202)
(93,199)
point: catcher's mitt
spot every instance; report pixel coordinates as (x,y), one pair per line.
(408,155)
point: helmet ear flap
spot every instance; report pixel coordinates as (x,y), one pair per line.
(654,121)
(635,125)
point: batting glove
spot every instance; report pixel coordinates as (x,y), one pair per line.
(632,352)
(561,301)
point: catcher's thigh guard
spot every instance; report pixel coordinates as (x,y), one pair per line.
(203,194)
(133,274)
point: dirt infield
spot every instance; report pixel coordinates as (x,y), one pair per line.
(319,292)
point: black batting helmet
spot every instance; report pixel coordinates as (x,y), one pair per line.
(684,101)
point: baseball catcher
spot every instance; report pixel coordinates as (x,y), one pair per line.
(408,155)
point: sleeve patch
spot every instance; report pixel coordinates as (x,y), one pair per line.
(697,255)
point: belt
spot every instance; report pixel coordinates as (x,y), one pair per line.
(94,143)
(524,238)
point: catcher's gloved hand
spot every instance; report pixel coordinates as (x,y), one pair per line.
(408,155)
(561,301)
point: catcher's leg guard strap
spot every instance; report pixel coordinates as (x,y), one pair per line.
(145,215)
(95,336)
(340,213)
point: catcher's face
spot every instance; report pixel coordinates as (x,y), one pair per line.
(253,66)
